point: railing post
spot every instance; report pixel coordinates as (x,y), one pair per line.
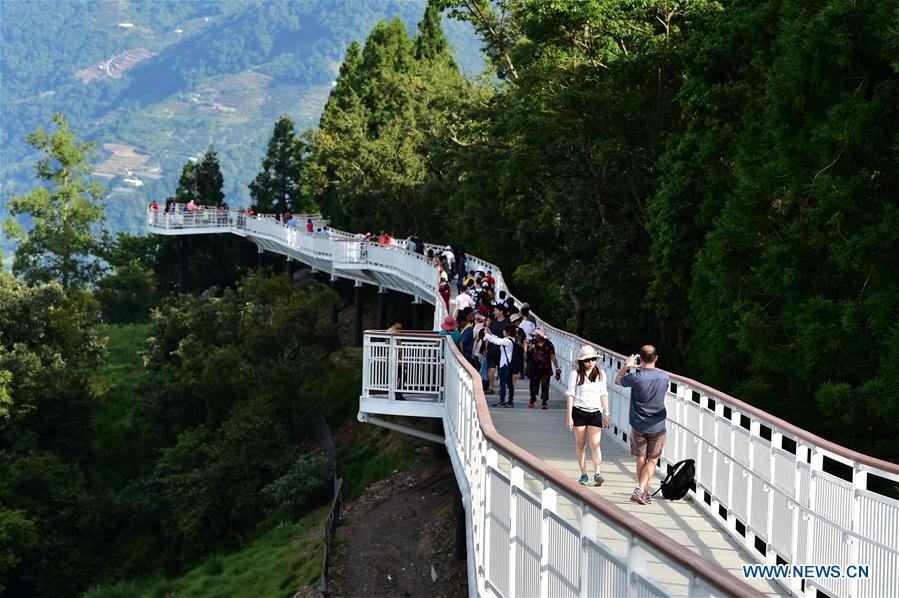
(392,368)
(516,482)
(588,530)
(491,459)
(859,483)
(749,540)
(802,453)
(366,366)
(547,505)
(816,466)
(734,424)
(636,565)
(770,555)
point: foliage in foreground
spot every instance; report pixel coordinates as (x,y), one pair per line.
(276,562)
(66,235)
(106,473)
(718,180)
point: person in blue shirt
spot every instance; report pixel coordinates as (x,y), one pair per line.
(648,385)
(466,340)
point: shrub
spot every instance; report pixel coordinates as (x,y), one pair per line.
(306,484)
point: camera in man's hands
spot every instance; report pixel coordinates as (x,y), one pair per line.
(636,360)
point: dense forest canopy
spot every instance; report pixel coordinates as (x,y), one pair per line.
(718,179)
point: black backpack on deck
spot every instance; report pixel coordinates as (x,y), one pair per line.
(678,481)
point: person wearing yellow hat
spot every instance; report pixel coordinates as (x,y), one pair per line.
(588,411)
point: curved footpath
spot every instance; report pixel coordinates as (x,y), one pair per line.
(544,434)
(766,491)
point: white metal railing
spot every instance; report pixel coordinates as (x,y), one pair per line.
(786,494)
(773,487)
(522,545)
(402,366)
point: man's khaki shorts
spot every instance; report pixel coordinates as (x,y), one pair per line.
(647,445)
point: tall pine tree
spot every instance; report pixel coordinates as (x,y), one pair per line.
(277,187)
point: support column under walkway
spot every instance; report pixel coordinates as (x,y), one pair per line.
(358,298)
(383,302)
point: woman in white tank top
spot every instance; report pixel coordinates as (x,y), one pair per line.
(588,410)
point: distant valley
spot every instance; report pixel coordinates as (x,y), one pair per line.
(153,88)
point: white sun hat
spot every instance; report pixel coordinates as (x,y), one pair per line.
(587,352)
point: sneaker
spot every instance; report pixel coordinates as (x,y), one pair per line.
(638,497)
(509,404)
(598,479)
(489,391)
(531,404)
(544,406)
(583,479)
(647,497)
(500,404)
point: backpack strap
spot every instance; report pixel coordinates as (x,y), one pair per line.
(677,467)
(668,477)
(664,482)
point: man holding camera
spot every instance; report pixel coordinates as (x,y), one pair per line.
(649,386)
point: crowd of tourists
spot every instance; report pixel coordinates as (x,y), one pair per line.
(503,342)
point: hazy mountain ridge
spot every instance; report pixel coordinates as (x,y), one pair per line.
(221,72)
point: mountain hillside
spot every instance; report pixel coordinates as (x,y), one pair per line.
(154,83)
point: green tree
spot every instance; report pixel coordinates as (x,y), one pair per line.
(17,538)
(430,42)
(202,181)
(187,190)
(797,274)
(277,188)
(66,234)
(375,150)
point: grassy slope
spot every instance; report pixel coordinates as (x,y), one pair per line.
(277,560)
(117,381)
(276,563)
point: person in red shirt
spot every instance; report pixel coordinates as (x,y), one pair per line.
(154,206)
(489,278)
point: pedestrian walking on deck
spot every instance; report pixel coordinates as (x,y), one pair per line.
(542,356)
(588,411)
(649,386)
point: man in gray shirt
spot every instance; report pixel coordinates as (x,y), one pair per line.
(647,415)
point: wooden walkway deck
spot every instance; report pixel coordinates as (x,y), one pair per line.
(544,434)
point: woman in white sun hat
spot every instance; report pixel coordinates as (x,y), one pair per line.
(588,410)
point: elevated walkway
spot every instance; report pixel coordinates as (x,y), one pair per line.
(766,491)
(544,434)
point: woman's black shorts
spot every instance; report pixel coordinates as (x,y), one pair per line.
(586,418)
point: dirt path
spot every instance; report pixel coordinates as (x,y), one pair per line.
(394,535)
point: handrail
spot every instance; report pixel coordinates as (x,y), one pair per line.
(697,565)
(778,491)
(832,447)
(334,515)
(773,420)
